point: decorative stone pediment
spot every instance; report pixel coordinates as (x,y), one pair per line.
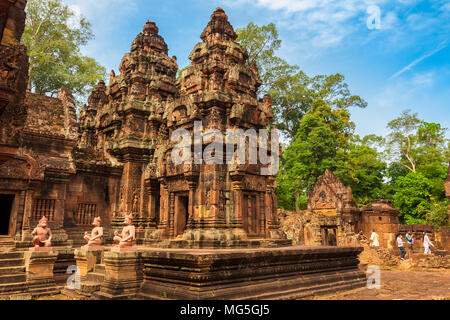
(17,164)
(329,193)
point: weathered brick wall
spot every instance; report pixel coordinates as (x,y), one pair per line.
(442,238)
(45,114)
(12,21)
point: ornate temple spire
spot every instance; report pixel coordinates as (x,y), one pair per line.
(150,40)
(219,27)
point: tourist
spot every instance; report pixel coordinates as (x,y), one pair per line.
(374,238)
(427,243)
(360,235)
(410,241)
(400,246)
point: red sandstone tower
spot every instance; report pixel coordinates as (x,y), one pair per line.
(127,125)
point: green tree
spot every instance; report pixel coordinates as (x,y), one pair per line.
(363,169)
(321,139)
(413,197)
(54,36)
(402,141)
(261,44)
(419,153)
(438,214)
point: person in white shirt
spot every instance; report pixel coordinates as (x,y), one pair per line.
(400,246)
(374,238)
(427,243)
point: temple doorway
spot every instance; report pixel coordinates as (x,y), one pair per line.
(181,214)
(6,203)
(250,216)
(329,236)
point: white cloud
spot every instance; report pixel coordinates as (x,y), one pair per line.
(327,23)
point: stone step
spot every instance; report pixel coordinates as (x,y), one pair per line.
(12,270)
(95,277)
(12,278)
(6,241)
(11,255)
(11,262)
(10,288)
(45,291)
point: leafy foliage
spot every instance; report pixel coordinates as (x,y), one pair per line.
(261,44)
(438,214)
(54,36)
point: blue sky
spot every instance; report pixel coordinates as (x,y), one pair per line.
(397,62)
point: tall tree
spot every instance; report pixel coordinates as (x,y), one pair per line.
(402,141)
(294,94)
(261,44)
(320,143)
(54,36)
(363,168)
(419,153)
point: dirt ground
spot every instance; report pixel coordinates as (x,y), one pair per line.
(394,285)
(402,285)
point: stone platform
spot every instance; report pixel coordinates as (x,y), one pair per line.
(218,244)
(264,273)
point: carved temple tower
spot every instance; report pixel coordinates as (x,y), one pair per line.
(209,200)
(128,125)
(123,121)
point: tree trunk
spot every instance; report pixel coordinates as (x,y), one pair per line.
(297,196)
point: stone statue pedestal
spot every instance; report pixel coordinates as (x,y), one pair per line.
(92,248)
(123,249)
(39,272)
(86,259)
(123,275)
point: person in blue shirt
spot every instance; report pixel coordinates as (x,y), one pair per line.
(410,241)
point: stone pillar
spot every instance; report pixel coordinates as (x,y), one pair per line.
(28,207)
(171,214)
(164,208)
(262,215)
(152,188)
(237,190)
(236,186)
(39,271)
(191,177)
(123,275)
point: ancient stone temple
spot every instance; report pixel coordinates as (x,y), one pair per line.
(127,126)
(37,135)
(334,219)
(115,164)
(331,211)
